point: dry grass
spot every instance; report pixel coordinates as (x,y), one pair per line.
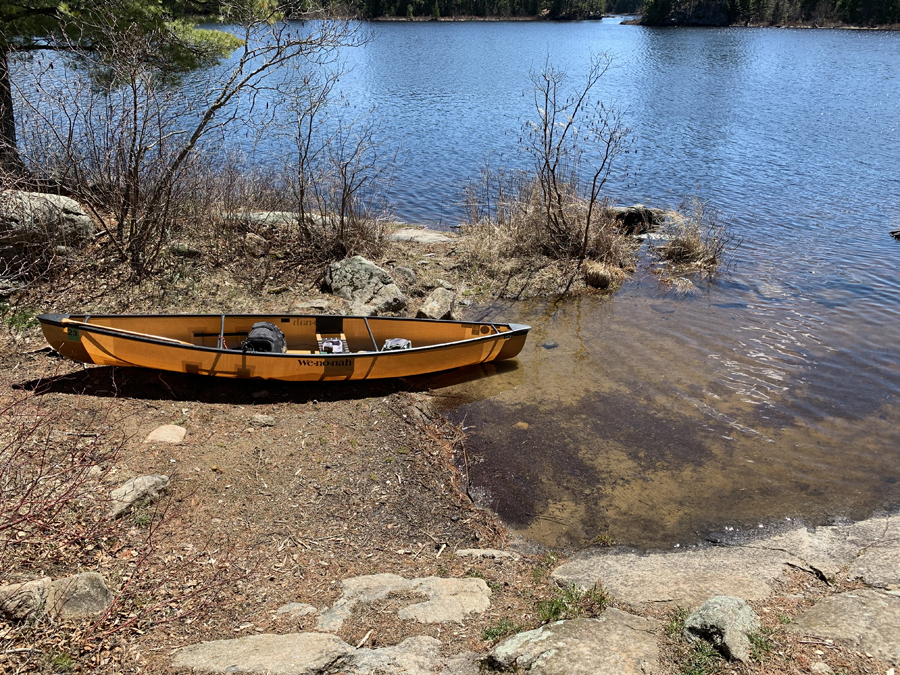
(601,275)
(694,238)
(520,245)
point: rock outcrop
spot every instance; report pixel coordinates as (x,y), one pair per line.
(33,219)
(370,289)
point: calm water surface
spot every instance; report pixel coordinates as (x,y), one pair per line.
(652,417)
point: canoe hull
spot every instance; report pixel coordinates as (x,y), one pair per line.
(101,340)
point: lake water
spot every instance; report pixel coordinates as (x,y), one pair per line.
(654,418)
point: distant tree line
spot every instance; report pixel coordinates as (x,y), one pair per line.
(552,9)
(773,12)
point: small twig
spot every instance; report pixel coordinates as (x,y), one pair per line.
(159,376)
(23,650)
(441,550)
(364,640)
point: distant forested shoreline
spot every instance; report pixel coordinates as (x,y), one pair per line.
(812,13)
(818,13)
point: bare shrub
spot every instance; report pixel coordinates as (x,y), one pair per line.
(694,237)
(123,137)
(48,479)
(553,214)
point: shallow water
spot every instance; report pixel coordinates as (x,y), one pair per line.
(654,418)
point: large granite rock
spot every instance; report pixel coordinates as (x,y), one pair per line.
(442,600)
(293,654)
(616,643)
(34,219)
(419,236)
(364,284)
(81,596)
(866,620)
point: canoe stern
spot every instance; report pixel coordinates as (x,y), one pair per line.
(64,339)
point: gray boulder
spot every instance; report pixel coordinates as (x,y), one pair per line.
(616,643)
(256,245)
(22,600)
(81,596)
(31,219)
(438,305)
(363,283)
(137,492)
(725,622)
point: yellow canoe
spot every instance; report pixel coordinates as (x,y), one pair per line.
(211,344)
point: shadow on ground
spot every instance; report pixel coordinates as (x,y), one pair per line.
(143,383)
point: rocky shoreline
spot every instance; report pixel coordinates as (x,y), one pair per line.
(864,620)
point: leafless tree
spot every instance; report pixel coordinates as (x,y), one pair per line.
(128,140)
(575,137)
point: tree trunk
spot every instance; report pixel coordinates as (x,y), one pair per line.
(10,162)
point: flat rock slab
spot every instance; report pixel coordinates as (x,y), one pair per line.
(419,236)
(293,654)
(870,549)
(687,579)
(167,433)
(877,565)
(443,600)
(866,620)
(616,643)
(419,655)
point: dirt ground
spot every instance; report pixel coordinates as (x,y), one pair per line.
(278,492)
